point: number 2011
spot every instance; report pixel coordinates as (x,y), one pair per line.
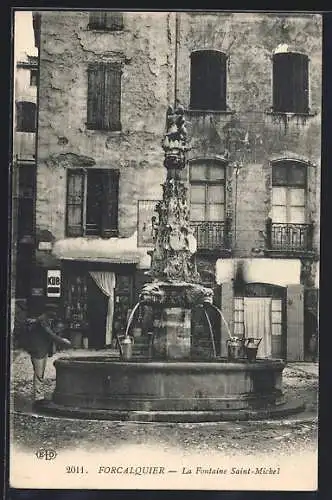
(74,469)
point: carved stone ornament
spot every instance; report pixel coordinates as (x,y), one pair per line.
(173,264)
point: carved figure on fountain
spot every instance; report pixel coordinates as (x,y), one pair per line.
(152,294)
(175,294)
(175,141)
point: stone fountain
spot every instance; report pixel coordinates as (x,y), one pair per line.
(169,384)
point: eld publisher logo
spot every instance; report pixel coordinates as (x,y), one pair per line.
(46,454)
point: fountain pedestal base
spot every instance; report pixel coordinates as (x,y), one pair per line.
(172,341)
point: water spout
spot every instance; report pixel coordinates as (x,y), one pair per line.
(221,315)
(131,318)
(211,334)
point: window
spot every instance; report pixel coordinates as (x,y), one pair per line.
(276,317)
(92,203)
(25,116)
(76,299)
(289,192)
(240,310)
(290,83)
(33,77)
(108,21)
(208,80)
(238,316)
(104,96)
(207,192)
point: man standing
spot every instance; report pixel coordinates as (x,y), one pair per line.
(39,346)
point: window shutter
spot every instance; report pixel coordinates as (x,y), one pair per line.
(95,96)
(106,20)
(208,80)
(75,198)
(104,96)
(112,97)
(114,21)
(110,203)
(25,116)
(97,20)
(290,83)
(300,83)
(94,202)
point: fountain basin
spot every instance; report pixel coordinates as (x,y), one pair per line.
(108,384)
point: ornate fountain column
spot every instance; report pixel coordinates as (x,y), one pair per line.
(176,281)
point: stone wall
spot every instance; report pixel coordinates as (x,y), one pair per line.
(249,41)
(146,47)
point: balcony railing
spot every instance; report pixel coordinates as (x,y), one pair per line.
(285,237)
(212,236)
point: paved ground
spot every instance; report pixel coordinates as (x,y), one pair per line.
(278,436)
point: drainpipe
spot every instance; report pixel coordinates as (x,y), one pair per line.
(177,41)
(237,168)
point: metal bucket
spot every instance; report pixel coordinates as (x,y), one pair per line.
(126,348)
(235,349)
(251,353)
(251,347)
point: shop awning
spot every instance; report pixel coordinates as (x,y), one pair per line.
(112,250)
(280,272)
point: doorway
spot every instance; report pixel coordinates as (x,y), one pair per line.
(260,312)
(96,315)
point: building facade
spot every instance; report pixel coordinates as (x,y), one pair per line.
(24,164)
(251,88)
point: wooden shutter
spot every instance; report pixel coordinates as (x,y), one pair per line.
(110,203)
(97,20)
(106,20)
(75,199)
(208,80)
(94,202)
(95,96)
(25,116)
(290,83)
(300,83)
(112,97)
(104,96)
(114,21)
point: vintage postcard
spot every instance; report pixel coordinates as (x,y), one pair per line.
(165,250)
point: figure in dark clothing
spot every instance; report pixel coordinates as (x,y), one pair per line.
(43,333)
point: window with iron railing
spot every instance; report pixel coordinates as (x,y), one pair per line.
(92,203)
(207,205)
(288,228)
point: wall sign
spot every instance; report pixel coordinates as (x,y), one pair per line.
(147,219)
(45,245)
(53,283)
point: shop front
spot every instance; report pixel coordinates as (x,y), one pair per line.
(99,282)
(97,298)
(265,301)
